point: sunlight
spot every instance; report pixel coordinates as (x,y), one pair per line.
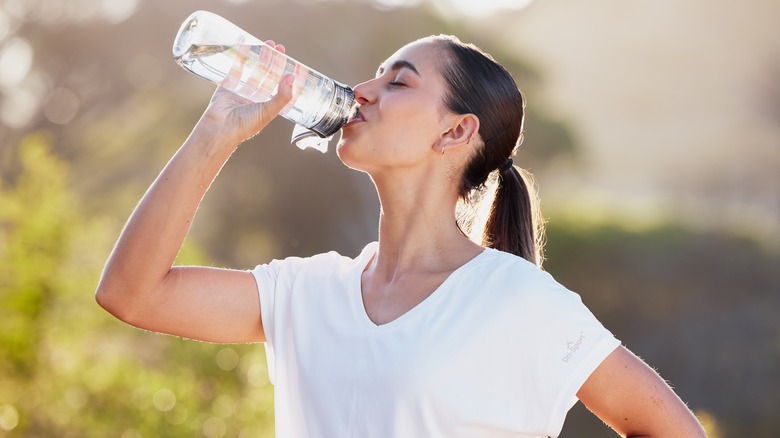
(389,4)
(116,11)
(484,8)
(464,8)
(16,57)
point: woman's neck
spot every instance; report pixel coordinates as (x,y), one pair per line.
(417,228)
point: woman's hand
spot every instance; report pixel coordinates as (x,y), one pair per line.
(236,119)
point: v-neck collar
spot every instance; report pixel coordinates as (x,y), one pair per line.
(356,290)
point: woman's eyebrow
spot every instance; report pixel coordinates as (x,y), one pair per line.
(397,65)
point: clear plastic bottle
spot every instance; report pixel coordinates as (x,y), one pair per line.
(211,46)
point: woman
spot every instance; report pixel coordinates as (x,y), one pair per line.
(426,333)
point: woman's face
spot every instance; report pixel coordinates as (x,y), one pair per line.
(401,113)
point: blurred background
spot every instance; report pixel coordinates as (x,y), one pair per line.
(653,129)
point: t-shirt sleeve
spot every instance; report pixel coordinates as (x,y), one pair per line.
(290,290)
(274,282)
(575,344)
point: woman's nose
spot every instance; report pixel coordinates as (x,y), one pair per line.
(363,93)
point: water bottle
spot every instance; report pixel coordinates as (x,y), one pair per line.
(211,46)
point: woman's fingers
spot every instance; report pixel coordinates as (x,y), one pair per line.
(233,77)
(272,108)
(244,120)
(240,117)
(272,43)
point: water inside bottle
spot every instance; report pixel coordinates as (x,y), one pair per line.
(261,69)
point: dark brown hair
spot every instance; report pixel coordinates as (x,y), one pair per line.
(479,85)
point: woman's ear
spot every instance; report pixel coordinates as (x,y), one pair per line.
(463,131)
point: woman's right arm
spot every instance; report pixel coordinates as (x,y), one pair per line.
(140,285)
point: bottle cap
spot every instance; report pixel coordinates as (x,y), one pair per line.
(341,109)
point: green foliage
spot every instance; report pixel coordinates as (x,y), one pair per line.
(68,368)
(35,224)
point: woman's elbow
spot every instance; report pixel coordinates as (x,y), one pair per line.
(114,299)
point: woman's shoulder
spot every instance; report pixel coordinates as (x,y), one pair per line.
(518,276)
(501,262)
(323,260)
(336,257)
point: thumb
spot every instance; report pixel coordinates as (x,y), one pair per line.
(282,97)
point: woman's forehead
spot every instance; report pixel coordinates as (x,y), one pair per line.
(417,56)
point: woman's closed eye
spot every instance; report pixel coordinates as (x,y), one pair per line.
(397,84)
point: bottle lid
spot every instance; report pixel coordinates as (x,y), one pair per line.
(339,113)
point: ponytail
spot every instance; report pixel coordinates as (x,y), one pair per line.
(514,223)
(477,84)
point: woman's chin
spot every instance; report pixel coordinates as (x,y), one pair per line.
(345,152)
(350,156)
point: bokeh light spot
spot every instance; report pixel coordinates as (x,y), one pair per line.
(177,416)
(62,106)
(482,8)
(83,10)
(389,4)
(9,417)
(18,9)
(214,427)
(257,375)
(16,58)
(76,397)
(224,406)
(227,359)
(5,25)
(131,433)
(164,400)
(116,11)
(18,107)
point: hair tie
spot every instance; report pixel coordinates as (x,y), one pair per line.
(506,166)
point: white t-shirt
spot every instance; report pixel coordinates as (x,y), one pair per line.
(500,349)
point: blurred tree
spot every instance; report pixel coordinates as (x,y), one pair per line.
(68,367)
(35,223)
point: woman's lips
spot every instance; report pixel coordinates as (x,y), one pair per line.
(356,119)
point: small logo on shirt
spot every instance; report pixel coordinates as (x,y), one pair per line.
(572,347)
